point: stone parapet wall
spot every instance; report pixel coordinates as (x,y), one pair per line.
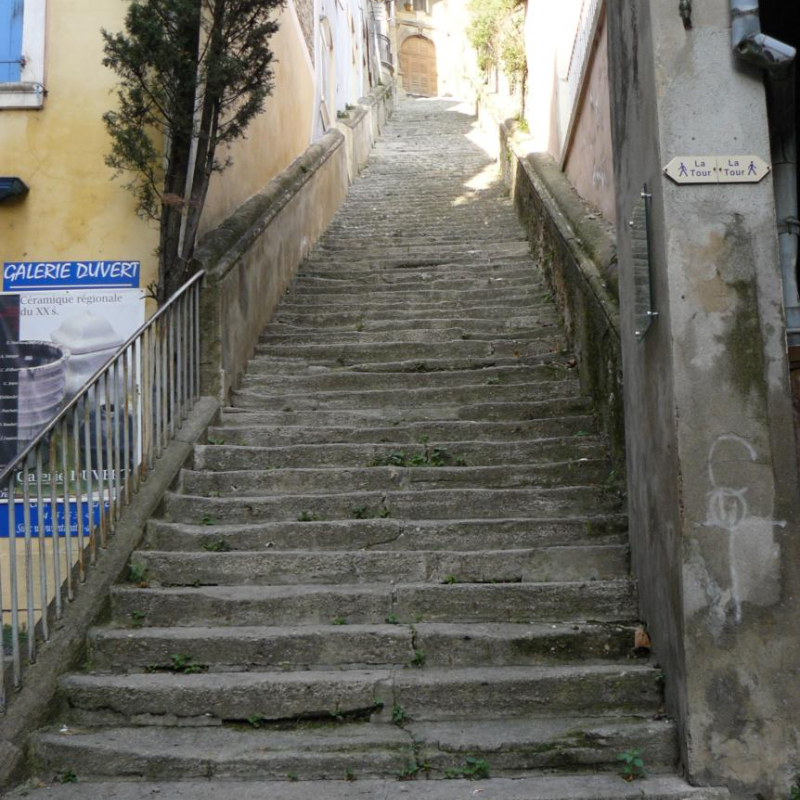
(576,249)
(250,259)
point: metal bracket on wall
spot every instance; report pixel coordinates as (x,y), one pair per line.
(644,313)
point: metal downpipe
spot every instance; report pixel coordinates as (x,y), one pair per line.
(778,59)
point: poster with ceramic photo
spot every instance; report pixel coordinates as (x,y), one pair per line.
(59,340)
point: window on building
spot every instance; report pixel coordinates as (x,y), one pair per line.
(22,53)
(420,5)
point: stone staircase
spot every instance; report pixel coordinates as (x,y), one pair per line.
(401,556)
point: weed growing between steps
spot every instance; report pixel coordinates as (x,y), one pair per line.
(632,764)
(473,769)
(429,457)
(180,664)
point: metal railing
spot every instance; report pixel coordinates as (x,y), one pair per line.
(385,49)
(66,489)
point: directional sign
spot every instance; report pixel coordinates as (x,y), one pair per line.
(717,169)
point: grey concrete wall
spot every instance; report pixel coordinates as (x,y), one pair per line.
(712,470)
(250,258)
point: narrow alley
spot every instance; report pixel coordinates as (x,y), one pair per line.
(400,557)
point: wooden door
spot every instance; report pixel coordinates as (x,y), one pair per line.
(418,63)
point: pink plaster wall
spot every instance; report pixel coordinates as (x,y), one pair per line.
(589,164)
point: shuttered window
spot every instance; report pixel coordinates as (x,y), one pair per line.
(11,15)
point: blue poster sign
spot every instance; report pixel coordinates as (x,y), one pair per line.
(22,276)
(19,519)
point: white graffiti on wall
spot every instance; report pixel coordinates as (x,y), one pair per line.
(728,509)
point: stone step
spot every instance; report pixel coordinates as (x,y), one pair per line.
(381,478)
(475,266)
(420,305)
(435,253)
(433,433)
(398,310)
(343,354)
(426,288)
(388,534)
(341,269)
(267,396)
(233,417)
(424,694)
(520,277)
(604,601)
(410,336)
(350,323)
(229,457)
(289,568)
(340,380)
(244,648)
(546,787)
(509,747)
(410,505)
(294,366)
(402,318)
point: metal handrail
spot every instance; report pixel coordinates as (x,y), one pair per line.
(100,447)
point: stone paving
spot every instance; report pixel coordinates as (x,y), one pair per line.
(398,559)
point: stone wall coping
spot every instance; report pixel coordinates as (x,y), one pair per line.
(364,104)
(220,249)
(599,273)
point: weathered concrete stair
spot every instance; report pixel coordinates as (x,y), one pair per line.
(401,554)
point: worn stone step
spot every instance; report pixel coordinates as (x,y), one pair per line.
(225,457)
(428,504)
(325,751)
(399,311)
(473,291)
(292,366)
(609,601)
(509,747)
(401,319)
(331,324)
(424,694)
(520,306)
(409,335)
(390,478)
(268,396)
(436,253)
(288,568)
(389,534)
(244,648)
(434,433)
(521,276)
(360,416)
(234,417)
(340,380)
(547,787)
(550,340)
(474,266)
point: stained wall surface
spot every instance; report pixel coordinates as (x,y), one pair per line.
(712,471)
(589,161)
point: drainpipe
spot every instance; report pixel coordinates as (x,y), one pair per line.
(778,60)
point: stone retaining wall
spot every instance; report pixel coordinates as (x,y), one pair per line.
(577,251)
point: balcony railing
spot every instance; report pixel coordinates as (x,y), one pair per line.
(66,489)
(385,50)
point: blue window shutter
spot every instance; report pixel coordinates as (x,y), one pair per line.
(10,40)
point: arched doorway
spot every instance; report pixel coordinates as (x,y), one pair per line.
(418,63)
